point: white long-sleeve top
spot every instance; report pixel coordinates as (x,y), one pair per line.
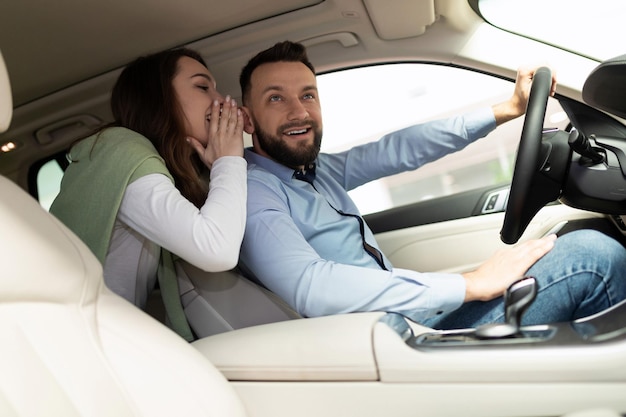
(154,214)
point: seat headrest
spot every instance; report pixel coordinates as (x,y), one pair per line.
(605,87)
(6,102)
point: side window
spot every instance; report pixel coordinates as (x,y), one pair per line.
(49,182)
(362,104)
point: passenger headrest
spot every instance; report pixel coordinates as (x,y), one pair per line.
(605,87)
(42,260)
(6,103)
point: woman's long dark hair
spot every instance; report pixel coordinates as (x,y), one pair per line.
(144,100)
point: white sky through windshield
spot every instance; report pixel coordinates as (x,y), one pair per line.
(594,28)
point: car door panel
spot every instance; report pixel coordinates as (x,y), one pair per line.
(462,244)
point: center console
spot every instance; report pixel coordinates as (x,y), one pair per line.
(372,364)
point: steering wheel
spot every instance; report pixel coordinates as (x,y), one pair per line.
(528,161)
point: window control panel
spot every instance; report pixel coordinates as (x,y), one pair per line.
(496,201)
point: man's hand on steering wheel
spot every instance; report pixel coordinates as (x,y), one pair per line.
(516,105)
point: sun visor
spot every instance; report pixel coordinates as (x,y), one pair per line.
(391,22)
(605,87)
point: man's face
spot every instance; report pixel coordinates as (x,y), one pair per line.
(284,114)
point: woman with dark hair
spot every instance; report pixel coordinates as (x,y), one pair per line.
(166,177)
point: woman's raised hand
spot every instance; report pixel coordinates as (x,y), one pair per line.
(225,133)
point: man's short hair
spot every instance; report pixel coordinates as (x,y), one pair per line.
(285,51)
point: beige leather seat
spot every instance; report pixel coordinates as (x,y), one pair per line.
(69,346)
(218,302)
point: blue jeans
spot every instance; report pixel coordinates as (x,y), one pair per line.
(583,274)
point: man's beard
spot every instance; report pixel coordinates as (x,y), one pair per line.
(280,151)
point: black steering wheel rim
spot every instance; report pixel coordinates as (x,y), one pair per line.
(527,162)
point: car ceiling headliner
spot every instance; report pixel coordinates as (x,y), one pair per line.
(74,40)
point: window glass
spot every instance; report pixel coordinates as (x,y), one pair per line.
(49,182)
(590,28)
(360,105)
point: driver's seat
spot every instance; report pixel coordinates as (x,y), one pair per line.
(70,347)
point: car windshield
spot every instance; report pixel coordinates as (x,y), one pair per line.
(591,28)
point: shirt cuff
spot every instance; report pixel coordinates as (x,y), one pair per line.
(446,291)
(480,123)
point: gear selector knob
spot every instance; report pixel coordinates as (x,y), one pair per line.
(517,298)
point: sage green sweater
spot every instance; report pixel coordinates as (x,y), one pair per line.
(91,192)
(94,183)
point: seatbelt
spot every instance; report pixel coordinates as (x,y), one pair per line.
(170,293)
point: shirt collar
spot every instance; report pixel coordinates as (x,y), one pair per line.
(281,171)
(307,174)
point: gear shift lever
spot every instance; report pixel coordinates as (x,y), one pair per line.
(517,298)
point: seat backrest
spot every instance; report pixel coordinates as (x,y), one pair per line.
(6,102)
(217,302)
(71,347)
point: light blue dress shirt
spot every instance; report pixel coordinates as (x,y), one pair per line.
(299,246)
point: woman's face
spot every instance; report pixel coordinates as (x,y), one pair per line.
(196,90)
